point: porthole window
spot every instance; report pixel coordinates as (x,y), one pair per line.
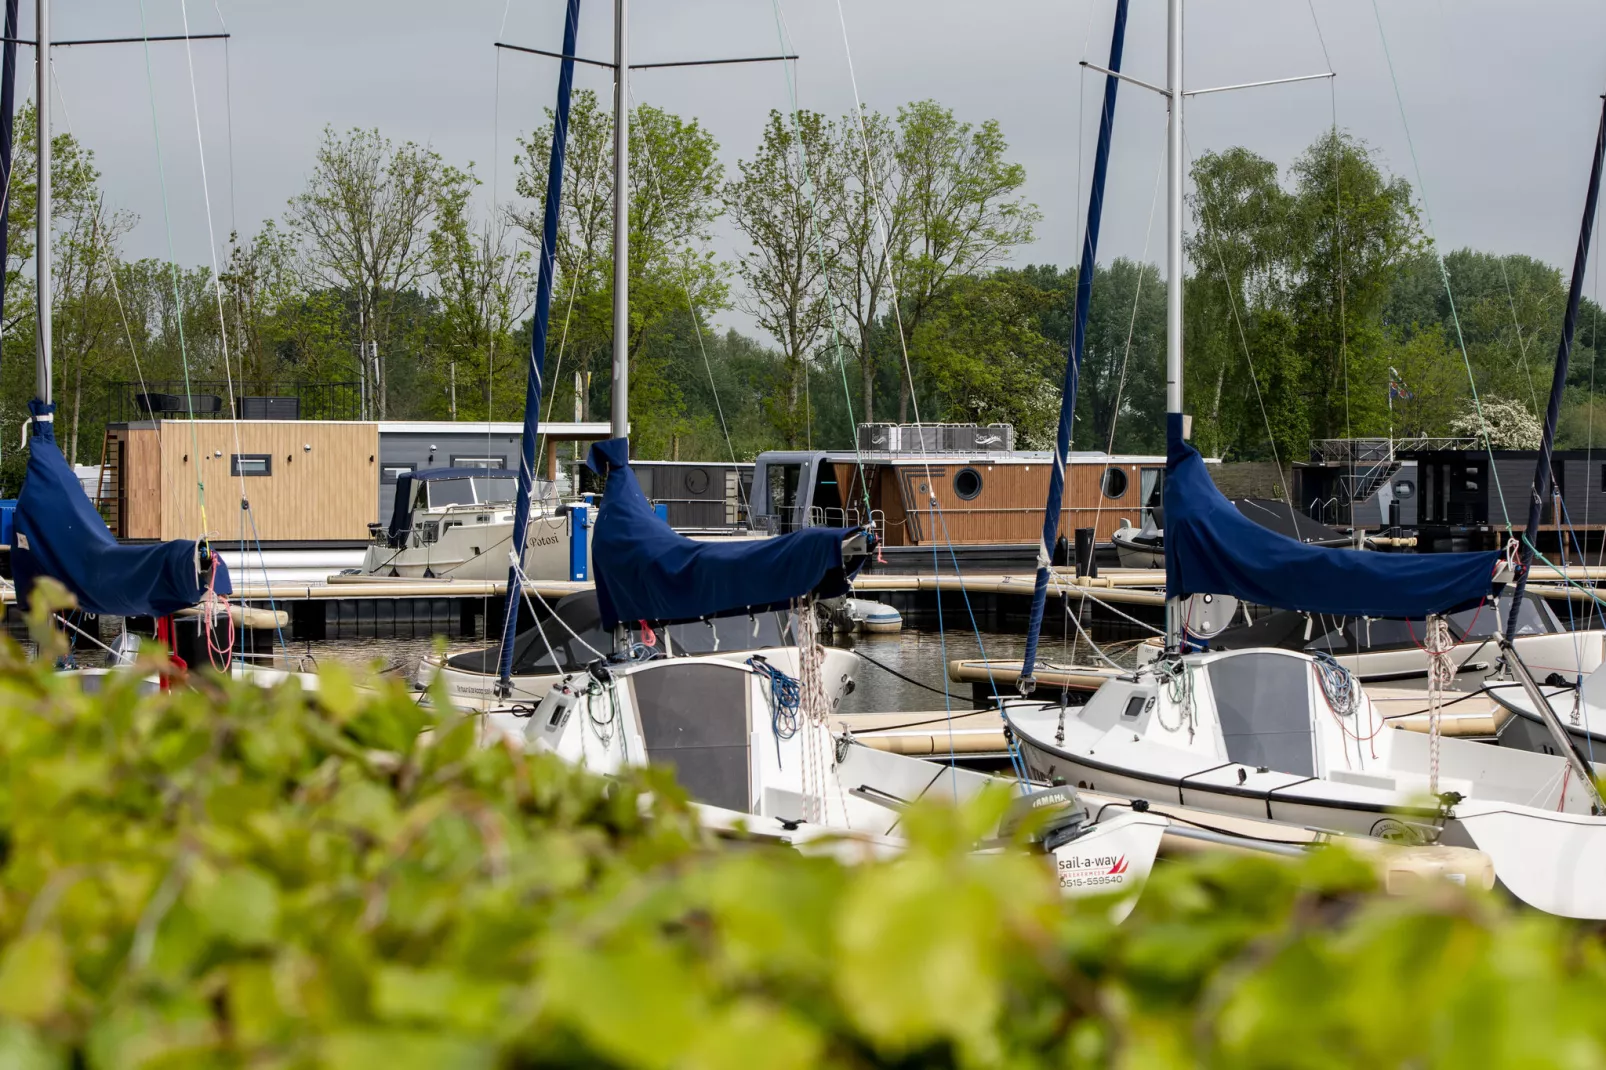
(967,483)
(696,481)
(1404,488)
(1114,483)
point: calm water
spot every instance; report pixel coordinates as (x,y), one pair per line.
(919,655)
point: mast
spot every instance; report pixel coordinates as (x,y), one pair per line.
(8,108)
(1173,261)
(538,336)
(1073,359)
(42,238)
(619,413)
(1558,384)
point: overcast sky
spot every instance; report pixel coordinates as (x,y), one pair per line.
(1502,99)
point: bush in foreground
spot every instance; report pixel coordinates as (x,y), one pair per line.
(232,877)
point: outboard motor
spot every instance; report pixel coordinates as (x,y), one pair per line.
(1065,816)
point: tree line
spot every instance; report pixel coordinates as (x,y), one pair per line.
(875,253)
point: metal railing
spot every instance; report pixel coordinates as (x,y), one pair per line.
(173,399)
(1381,450)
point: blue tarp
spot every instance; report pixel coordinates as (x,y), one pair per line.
(646,570)
(1212,548)
(59,534)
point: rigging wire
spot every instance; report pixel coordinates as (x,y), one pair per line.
(1243,340)
(172,262)
(875,182)
(784,35)
(696,323)
(1338,244)
(1522,344)
(1131,330)
(1444,272)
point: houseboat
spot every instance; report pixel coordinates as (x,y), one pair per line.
(959,486)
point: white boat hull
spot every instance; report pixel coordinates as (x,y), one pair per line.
(479,551)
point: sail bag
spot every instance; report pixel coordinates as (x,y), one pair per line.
(1212,548)
(60,534)
(645,570)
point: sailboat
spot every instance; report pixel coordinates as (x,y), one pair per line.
(1290,736)
(59,533)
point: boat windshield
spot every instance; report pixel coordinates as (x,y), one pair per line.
(498,488)
(440,492)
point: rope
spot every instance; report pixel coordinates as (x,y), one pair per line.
(1338,685)
(786,696)
(1441,672)
(906,679)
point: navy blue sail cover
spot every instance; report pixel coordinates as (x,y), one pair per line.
(645,570)
(59,534)
(1212,548)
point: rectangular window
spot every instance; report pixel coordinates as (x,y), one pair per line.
(479,462)
(250,464)
(389,473)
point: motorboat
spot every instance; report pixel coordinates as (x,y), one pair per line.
(1139,547)
(848,615)
(1291,737)
(457,523)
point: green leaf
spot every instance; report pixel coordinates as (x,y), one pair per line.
(23,1049)
(240,905)
(34,977)
(398,1049)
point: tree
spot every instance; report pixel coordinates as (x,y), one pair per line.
(872,228)
(1240,220)
(1350,225)
(777,204)
(987,360)
(364,220)
(481,281)
(965,212)
(1499,424)
(86,317)
(675,178)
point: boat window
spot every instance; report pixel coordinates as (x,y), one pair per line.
(439,492)
(783,496)
(1489,621)
(1151,489)
(967,483)
(1114,483)
(694,720)
(1357,636)
(1263,704)
(496,489)
(1134,706)
(250,464)
(573,627)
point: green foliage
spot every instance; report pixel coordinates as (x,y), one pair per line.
(872,254)
(230,876)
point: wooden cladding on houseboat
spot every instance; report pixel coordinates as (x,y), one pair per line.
(318,482)
(980,503)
